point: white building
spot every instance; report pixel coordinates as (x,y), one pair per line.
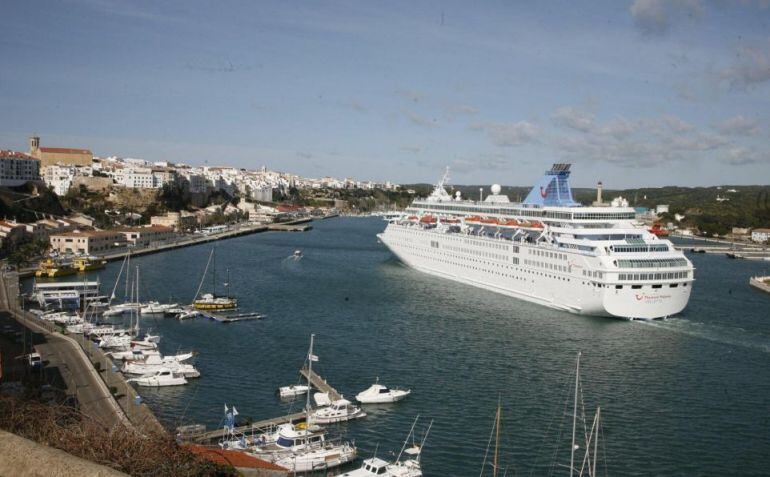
(760,235)
(17,168)
(661,209)
(59,178)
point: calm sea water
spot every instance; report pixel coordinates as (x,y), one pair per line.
(684,396)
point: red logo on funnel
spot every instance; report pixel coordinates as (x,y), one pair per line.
(543,192)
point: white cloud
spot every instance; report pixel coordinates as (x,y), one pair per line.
(420,120)
(739,126)
(510,134)
(741,156)
(654,17)
(752,68)
(646,142)
(573,118)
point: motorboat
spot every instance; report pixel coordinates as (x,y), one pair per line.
(292,391)
(297,254)
(339,411)
(133,354)
(62,318)
(302,450)
(190,314)
(407,463)
(379,467)
(155,308)
(379,394)
(161,377)
(156,363)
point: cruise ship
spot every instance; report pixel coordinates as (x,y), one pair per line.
(549,249)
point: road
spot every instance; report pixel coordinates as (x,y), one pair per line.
(81,378)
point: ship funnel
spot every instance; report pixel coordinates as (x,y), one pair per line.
(553,189)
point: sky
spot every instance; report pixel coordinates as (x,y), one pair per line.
(632,93)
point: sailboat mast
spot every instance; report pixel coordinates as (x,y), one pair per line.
(574,418)
(497,441)
(214,274)
(309,372)
(128,272)
(136,307)
(596,442)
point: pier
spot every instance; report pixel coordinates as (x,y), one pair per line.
(254,427)
(320,384)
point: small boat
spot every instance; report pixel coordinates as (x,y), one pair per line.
(339,411)
(122,308)
(86,264)
(378,394)
(133,354)
(162,377)
(155,308)
(292,391)
(297,254)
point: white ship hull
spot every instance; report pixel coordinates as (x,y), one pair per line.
(485,263)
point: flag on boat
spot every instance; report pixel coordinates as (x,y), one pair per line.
(313,357)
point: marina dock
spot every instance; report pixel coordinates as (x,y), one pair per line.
(254,427)
(320,384)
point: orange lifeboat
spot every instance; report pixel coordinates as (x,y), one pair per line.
(427,219)
(510,223)
(490,221)
(537,225)
(450,220)
(412,217)
(474,218)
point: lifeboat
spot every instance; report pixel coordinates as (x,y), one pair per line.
(473,219)
(427,219)
(412,217)
(489,221)
(450,220)
(537,225)
(510,223)
(658,230)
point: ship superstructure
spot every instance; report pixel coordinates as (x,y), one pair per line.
(548,250)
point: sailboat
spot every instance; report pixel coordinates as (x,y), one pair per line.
(128,305)
(495,432)
(212,301)
(588,463)
(408,467)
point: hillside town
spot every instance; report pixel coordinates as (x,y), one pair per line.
(204,197)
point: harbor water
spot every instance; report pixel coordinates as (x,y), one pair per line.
(688,395)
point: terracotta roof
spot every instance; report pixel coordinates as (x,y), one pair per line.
(65,150)
(14,154)
(88,233)
(234,458)
(151,228)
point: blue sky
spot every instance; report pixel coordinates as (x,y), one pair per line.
(634,93)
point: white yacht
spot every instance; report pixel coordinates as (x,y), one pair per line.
(406,467)
(156,308)
(338,411)
(548,250)
(142,368)
(292,391)
(378,394)
(160,378)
